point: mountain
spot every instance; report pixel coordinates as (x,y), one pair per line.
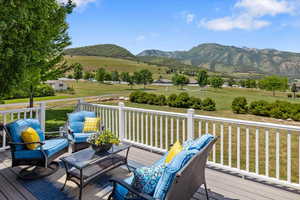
(222,58)
(104,50)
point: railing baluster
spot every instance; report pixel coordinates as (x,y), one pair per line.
(151,130)
(172,130)
(206,127)
(183,130)
(138,127)
(257,151)
(177,129)
(229,145)
(126,124)
(214,147)
(142,128)
(12,117)
(24,117)
(267,152)
(247,149)
(166,133)
(4,133)
(30,113)
(161,132)
(19,115)
(222,144)
(134,126)
(147,134)
(130,125)
(156,131)
(298,158)
(112,120)
(277,154)
(200,128)
(238,147)
(289,164)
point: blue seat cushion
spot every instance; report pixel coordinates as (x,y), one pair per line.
(15,130)
(50,147)
(76,120)
(170,171)
(81,137)
(201,142)
(121,192)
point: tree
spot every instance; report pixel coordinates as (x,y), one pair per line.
(180,80)
(125,76)
(231,82)
(78,73)
(107,76)
(33,36)
(216,82)
(145,77)
(100,74)
(250,83)
(115,76)
(274,83)
(131,81)
(88,75)
(242,83)
(294,89)
(202,78)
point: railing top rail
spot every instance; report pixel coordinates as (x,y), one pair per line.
(156,112)
(101,105)
(19,110)
(249,123)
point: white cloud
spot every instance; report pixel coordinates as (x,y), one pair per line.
(140,38)
(248,14)
(188,17)
(78,3)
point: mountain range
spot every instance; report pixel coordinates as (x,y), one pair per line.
(214,57)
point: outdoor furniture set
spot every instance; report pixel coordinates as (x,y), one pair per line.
(176,176)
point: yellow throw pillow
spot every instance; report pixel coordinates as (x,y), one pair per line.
(91,124)
(30,135)
(176,149)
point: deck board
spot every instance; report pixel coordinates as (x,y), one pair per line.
(221,185)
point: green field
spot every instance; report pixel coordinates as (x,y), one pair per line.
(91,63)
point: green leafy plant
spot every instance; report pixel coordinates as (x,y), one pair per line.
(106,137)
(239,105)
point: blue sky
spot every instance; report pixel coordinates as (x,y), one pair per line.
(181,24)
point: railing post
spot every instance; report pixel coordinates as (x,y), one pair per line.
(78,107)
(121,121)
(42,116)
(190,123)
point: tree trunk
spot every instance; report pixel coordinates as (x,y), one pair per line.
(31,96)
(294,95)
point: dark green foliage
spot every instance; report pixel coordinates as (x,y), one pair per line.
(115,76)
(78,71)
(208,104)
(100,75)
(180,80)
(297,95)
(183,100)
(216,81)
(88,75)
(41,90)
(231,82)
(239,105)
(172,100)
(294,89)
(202,78)
(289,95)
(260,108)
(33,35)
(281,109)
(274,83)
(2,101)
(250,83)
(125,76)
(107,77)
(105,50)
(145,77)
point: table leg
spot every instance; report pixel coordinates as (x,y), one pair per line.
(81,185)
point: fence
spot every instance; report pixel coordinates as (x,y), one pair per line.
(262,150)
(7,116)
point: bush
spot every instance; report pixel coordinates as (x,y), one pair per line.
(260,108)
(239,105)
(2,101)
(138,97)
(281,110)
(289,95)
(182,100)
(161,100)
(172,100)
(44,90)
(208,104)
(297,95)
(196,103)
(151,99)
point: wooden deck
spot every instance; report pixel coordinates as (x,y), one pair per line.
(221,185)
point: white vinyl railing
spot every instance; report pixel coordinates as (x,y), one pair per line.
(259,150)
(7,116)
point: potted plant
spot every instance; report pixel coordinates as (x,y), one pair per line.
(103,141)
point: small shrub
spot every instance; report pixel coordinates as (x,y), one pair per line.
(208,104)
(182,100)
(239,105)
(161,100)
(260,108)
(151,99)
(44,90)
(172,100)
(281,110)
(2,101)
(289,95)
(138,97)
(196,103)
(297,95)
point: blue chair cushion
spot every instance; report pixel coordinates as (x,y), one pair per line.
(81,137)
(201,142)
(15,129)
(76,120)
(121,192)
(170,171)
(50,147)
(145,179)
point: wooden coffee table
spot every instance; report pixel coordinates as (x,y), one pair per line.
(85,165)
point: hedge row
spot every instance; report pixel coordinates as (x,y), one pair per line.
(277,109)
(182,100)
(42,90)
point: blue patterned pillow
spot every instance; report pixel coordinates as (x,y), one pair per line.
(186,145)
(145,179)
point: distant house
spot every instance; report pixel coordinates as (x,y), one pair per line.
(57,85)
(162,82)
